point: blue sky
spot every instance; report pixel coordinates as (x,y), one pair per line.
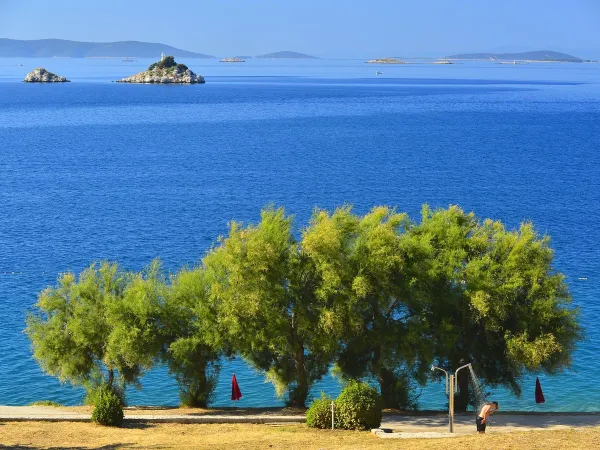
(327,28)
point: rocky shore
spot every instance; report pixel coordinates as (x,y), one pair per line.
(41,75)
(166,71)
(385,61)
(232,60)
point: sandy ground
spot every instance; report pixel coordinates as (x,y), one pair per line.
(79,436)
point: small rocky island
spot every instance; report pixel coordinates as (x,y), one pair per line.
(166,71)
(232,60)
(385,61)
(41,75)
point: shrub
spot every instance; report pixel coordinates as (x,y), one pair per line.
(358,407)
(181,68)
(108,409)
(318,414)
(167,61)
(45,403)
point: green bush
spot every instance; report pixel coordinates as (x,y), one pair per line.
(108,409)
(45,403)
(181,68)
(318,414)
(358,407)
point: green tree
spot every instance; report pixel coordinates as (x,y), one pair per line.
(493,299)
(362,260)
(194,345)
(96,329)
(265,288)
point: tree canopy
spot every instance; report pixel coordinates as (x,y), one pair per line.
(96,328)
(378,296)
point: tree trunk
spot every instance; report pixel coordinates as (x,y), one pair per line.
(111,378)
(299,393)
(198,393)
(387,385)
(461,400)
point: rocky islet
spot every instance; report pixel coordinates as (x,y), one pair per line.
(41,75)
(166,71)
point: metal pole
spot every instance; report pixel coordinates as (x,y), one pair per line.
(332,416)
(451,405)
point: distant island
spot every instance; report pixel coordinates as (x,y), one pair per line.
(232,60)
(287,54)
(385,61)
(48,48)
(165,71)
(539,55)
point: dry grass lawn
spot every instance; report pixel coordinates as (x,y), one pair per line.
(72,435)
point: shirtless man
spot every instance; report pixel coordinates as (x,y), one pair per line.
(482,418)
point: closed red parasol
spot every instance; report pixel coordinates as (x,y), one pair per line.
(236,394)
(539,395)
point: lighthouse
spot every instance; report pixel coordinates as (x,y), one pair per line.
(162,55)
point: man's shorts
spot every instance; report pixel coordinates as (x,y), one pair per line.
(480,426)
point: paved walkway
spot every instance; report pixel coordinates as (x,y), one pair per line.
(436,425)
(52,414)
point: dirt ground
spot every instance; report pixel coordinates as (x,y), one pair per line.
(76,436)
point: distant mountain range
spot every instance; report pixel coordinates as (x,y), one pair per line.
(539,55)
(73,49)
(287,54)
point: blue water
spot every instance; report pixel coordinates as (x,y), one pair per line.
(95,170)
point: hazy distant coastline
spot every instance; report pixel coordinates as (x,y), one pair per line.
(538,55)
(59,48)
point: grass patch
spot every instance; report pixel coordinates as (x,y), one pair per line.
(45,403)
(44,435)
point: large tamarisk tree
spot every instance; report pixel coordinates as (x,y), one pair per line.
(192,342)
(493,299)
(264,288)
(362,260)
(98,328)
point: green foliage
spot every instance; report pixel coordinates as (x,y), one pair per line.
(94,391)
(108,408)
(379,296)
(168,62)
(45,403)
(318,414)
(362,260)
(265,289)
(359,407)
(193,343)
(492,298)
(98,328)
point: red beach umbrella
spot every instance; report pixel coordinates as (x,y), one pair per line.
(539,395)
(236,394)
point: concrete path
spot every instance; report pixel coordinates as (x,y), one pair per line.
(52,414)
(436,425)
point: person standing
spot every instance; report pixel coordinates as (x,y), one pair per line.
(482,419)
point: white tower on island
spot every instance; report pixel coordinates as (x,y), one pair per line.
(162,55)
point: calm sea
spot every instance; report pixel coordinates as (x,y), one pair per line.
(95,170)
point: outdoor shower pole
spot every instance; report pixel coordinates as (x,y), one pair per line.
(451,405)
(453,389)
(449,388)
